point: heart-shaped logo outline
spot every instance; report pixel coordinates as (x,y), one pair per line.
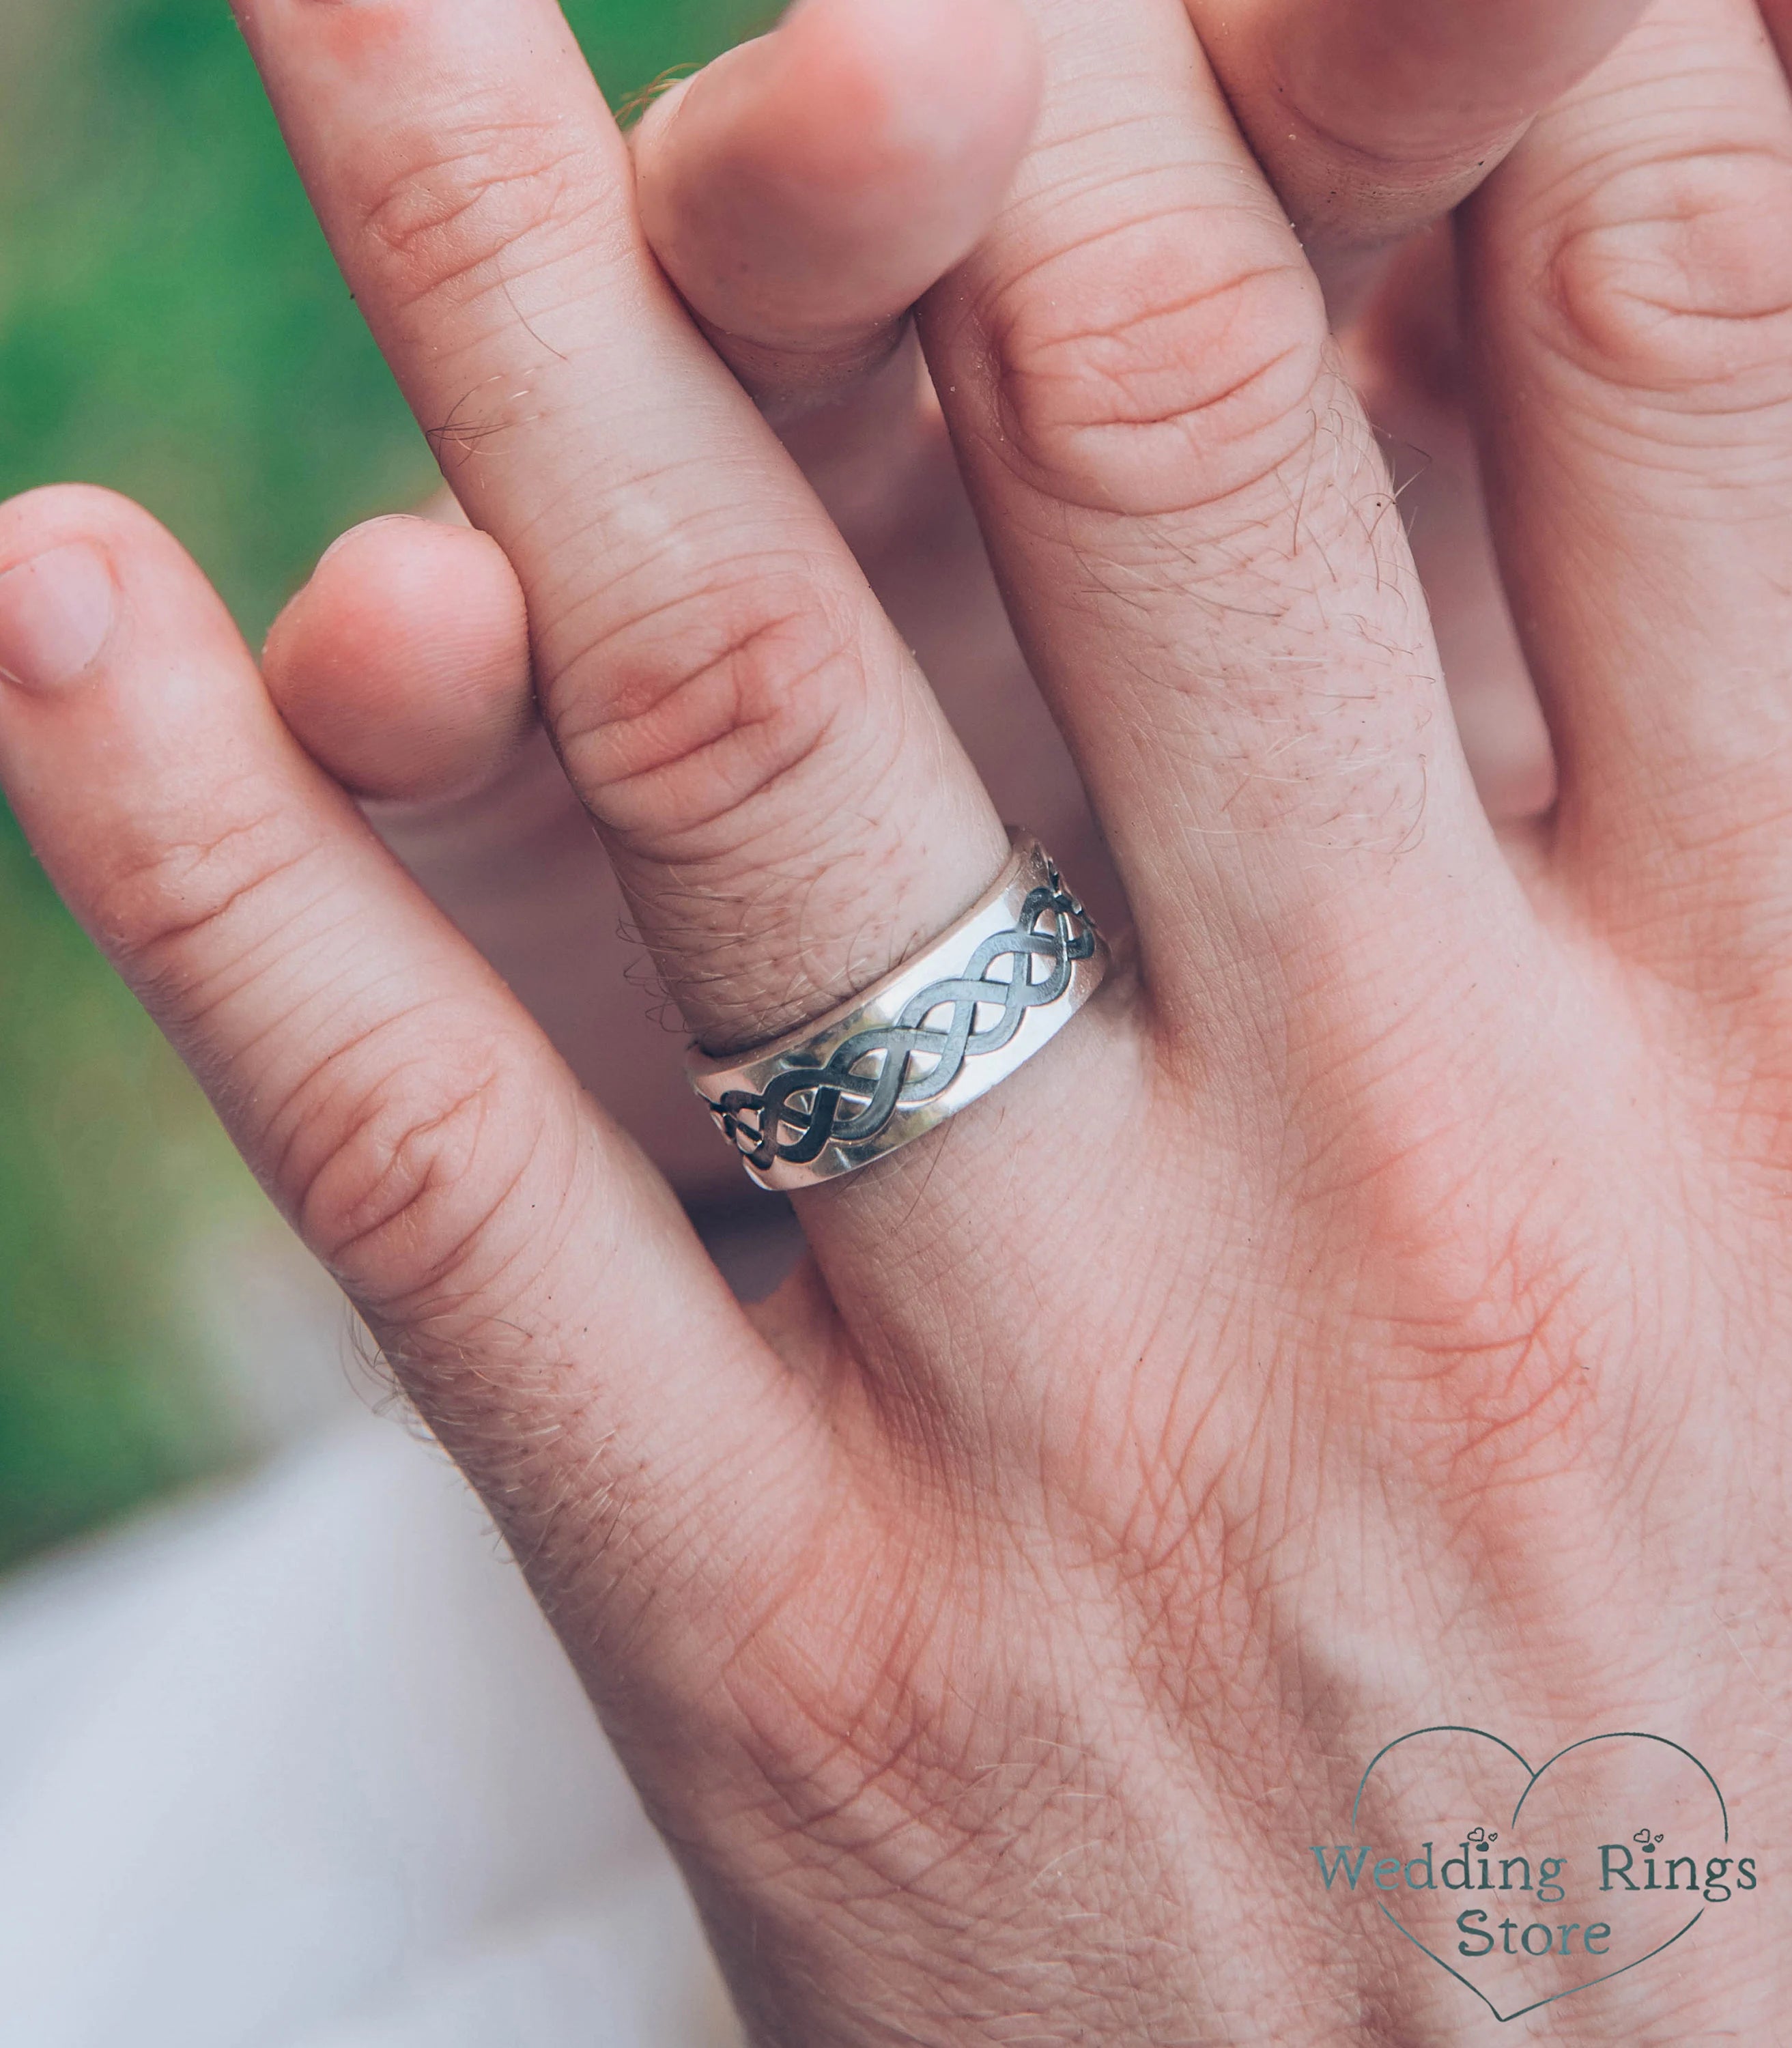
(1617,1735)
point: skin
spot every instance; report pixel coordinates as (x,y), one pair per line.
(800,234)
(1368,1311)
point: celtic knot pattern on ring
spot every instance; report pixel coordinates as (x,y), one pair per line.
(891,1067)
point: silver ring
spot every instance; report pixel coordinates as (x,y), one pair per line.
(916,1047)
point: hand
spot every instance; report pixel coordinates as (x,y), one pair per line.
(802,210)
(1365,1305)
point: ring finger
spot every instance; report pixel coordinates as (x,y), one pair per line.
(786,809)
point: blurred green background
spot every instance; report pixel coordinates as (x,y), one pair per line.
(171,324)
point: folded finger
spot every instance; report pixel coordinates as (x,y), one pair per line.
(804,190)
(402,667)
(531,1279)
(1373,117)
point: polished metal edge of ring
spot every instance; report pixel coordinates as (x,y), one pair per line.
(915,1047)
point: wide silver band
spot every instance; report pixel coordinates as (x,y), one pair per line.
(913,1049)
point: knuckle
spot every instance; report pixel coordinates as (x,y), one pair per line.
(1672,276)
(189,913)
(1167,356)
(455,211)
(681,725)
(398,1139)
(403,1170)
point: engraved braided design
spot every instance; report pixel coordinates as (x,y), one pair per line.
(876,1067)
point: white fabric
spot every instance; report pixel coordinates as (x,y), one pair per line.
(302,1767)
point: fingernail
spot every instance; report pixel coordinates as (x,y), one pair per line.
(55,615)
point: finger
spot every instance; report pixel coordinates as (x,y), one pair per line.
(804,190)
(402,667)
(534,1280)
(1632,281)
(1373,117)
(1200,546)
(786,807)
(1406,356)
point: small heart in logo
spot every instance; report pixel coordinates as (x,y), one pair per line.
(1530,1885)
